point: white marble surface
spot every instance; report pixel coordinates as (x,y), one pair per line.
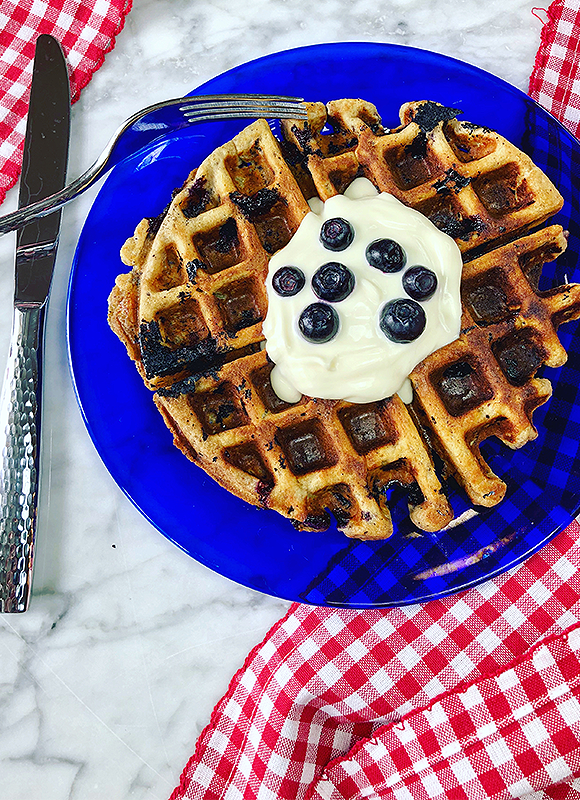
(106,682)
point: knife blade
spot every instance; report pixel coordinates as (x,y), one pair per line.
(43,173)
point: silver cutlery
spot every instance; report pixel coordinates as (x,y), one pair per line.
(43,173)
(152,122)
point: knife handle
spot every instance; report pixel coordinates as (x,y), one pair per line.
(20,410)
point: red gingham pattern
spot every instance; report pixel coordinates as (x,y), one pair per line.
(85,28)
(475,697)
(555,80)
(324,681)
(505,736)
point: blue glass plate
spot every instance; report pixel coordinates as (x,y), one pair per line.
(258,548)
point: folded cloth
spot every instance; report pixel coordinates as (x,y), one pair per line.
(555,80)
(473,696)
(87,31)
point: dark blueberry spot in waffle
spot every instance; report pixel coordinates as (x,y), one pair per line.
(314,522)
(160,359)
(257,204)
(461,388)
(218,410)
(474,128)
(319,521)
(386,255)
(292,154)
(334,148)
(410,165)
(318,323)
(442,213)
(420,282)
(197,200)
(519,356)
(228,237)
(452,182)
(340,495)
(412,489)
(402,320)
(288,281)
(264,489)
(333,282)
(185,386)
(336,234)
(192,268)
(219,248)
(428,115)
(303,137)
(154,223)
(417,147)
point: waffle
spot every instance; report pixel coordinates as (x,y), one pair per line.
(190,314)
(483,384)
(468,180)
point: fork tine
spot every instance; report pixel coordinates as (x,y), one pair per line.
(206,99)
(261,109)
(217,101)
(209,117)
(217,107)
(227,109)
(228,112)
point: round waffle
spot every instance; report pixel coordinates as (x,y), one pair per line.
(191,309)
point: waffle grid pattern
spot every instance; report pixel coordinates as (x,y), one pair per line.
(196,300)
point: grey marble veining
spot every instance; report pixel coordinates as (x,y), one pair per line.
(107,681)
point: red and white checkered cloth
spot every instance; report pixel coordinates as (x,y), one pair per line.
(85,28)
(475,696)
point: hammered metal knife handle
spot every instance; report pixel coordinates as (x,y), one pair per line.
(20,409)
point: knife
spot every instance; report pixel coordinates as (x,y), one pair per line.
(43,173)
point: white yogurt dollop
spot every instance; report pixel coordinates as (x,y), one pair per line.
(360,364)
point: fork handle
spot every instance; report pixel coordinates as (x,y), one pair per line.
(20,411)
(47,205)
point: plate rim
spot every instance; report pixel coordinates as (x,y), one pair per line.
(267,59)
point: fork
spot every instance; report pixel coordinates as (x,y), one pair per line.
(152,122)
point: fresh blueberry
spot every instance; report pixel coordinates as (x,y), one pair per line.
(402,320)
(318,323)
(386,255)
(419,282)
(333,282)
(336,234)
(288,281)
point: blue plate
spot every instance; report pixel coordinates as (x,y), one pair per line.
(258,548)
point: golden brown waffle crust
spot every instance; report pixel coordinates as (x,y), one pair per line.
(190,315)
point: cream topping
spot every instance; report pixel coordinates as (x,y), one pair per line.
(360,364)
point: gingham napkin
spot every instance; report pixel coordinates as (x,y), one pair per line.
(475,696)
(87,31)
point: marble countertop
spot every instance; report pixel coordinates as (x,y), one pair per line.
(107,681)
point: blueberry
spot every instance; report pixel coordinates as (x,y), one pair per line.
(419,283)
(386,255)
(288,281)
(336,234)
(318,323)
(402,320)
(333,282)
